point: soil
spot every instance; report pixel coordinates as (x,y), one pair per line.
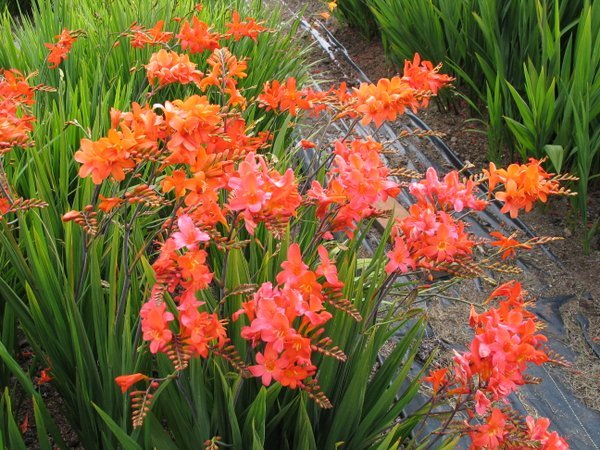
(574,279)
(52,401)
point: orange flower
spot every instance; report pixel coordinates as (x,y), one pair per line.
(24,426)
(108,204)
(126,381)
(147,127)
(14,128)
(14,87)
(507,245)
(153,36)
(168,67)
(307,144)
(194,271)
(197,37)
(423,76)
(384,101)
(523,185)
(59,51)
(199,329)
(106,156)
(16,121)
(439,379)
(45,376)
(238,29)
(177,180)
(284,97)
(190,122)
(4,206)
(225,68)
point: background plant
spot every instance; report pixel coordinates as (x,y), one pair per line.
(358,15)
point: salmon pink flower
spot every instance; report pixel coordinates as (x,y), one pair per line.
(482,403)
(538,432)
(505,341)
(155,325)
(262,194)
(358,180)
(270,365)
(327,268)
(400,259)
(490,434)
(448,194)
(188,235)
(428,238)
(293,267)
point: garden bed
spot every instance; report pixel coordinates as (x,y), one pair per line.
(220,278)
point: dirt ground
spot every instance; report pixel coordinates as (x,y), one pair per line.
(575,283)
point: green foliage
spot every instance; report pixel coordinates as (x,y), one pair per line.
(357,14)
